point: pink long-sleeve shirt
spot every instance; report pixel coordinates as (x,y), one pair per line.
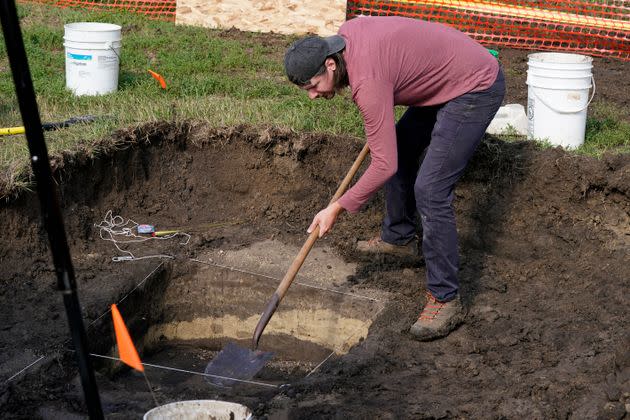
(402,61)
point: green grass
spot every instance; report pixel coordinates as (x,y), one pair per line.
(213,76)
(606,131)
(222,80)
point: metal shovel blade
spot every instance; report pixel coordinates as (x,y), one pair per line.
(235,363)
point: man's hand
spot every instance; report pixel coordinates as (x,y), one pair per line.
(325,219)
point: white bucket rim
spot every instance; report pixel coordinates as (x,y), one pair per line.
(559,58)
(92,27)
(549,87)
(225,404)
(560,83)
(561,76)
(565,68)
(117,45)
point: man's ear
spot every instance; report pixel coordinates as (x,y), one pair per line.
(330,64)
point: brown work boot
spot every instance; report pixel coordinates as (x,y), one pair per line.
(438,319)
(378,246)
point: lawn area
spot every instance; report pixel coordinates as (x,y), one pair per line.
(213,77)
(220,77)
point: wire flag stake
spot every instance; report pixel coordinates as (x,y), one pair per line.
(126,349)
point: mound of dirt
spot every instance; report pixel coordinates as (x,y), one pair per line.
(544,238)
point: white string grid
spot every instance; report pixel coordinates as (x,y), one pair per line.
(192,372)
(117,226)
(89,326)
(336,349)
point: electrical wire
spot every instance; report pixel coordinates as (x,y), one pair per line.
(117,230)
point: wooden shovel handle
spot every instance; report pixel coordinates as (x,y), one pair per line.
(301,256)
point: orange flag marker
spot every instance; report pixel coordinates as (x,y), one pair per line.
(158,77)
(126,349)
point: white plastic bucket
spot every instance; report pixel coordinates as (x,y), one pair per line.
(92,57)
(558,97)
(199,410)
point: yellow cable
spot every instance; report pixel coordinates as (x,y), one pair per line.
(164,232)
(8,131)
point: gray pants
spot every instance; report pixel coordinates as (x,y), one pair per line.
(449,133)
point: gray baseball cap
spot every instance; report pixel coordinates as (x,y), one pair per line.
(306,56)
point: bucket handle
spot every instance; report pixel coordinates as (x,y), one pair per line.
(572,111)
(108,44)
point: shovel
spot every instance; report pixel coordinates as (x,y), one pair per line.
(235,362)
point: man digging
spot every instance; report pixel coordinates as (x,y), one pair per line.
(453,87)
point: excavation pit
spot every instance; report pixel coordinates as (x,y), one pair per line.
(540,232)
(183,316)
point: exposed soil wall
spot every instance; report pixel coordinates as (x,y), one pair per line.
(544,238)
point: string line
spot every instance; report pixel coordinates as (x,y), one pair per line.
(191,372)
(240,270)
(23,369)
(127,295)
(92,323)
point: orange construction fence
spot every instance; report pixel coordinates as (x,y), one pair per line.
(593,27)
(154,9)
(596,27)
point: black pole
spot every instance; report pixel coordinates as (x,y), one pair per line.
(53,221)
